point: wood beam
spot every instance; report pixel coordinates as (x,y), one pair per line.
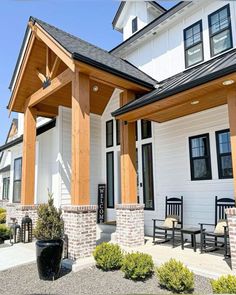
(231,99)
(41,76)
(128,156)
(28,160)
(80,163)
(43,110)
(56,84)
(55,67)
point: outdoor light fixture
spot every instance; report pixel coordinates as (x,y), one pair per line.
(95,88)
(194,102)
(228,82)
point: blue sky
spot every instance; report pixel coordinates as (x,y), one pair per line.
(90,20)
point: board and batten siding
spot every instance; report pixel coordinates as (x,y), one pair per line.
(65,155)
(172,167)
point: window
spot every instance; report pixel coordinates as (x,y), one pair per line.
(117,132)
(146,129)
(5,189)
(224,154)
(17,180)
(109,133)
(110,180)
(220,30)
(200,158)
(148,192)
(134,25)
(193,44)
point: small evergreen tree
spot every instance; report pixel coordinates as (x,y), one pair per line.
(49,225)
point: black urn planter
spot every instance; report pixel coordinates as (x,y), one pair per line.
(49,256)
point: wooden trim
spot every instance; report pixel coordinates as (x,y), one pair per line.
(55,67)
(128,156)
(63,54)
(80,163)
(57,83)
(231,99)
(28,163)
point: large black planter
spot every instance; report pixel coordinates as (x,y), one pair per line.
(49,255)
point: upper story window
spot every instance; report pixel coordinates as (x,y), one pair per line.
(224,154)
(109,133)
(220,30)
(200,158)
(118,132)
(134,25)
(146,129)
(17,180)
(5,189)
(193,44)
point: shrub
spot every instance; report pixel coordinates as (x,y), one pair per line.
(137,266)
(49,225)
(108,256)
(2,210)
(2,217)
(224,285)
(176,277)
(4,232)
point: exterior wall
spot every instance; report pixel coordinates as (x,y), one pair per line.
(162,55)
(65,155)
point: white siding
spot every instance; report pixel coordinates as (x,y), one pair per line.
(162,55)
(172,167)
(65,155)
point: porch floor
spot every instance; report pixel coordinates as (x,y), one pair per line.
(211,264)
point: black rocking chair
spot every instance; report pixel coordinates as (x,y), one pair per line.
(173,222)
(213,240)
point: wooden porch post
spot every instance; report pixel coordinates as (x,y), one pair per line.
(80,175)
(28,161)
(128,156)
(231,98)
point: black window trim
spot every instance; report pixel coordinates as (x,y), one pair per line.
(113,188)
(108,122)
(135,19)
(219,155)
(227,6)
(14,181)
(153,207)
(192,159)
(6,198)
(189,47)
(118,122)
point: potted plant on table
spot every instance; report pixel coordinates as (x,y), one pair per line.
(49,245)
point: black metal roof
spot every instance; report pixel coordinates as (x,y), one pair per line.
(122,5)
(97,57)
(157,21)
(210,70)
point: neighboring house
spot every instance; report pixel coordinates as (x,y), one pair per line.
(180,65)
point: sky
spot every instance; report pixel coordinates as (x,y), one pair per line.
(90,20)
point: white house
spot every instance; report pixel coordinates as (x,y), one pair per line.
(180,64)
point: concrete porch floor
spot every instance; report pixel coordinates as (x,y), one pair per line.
(210,265)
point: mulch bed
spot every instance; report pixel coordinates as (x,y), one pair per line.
(24,280)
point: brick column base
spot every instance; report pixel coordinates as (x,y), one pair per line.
(231,217)
(130,225)
(19,211)
(80,226)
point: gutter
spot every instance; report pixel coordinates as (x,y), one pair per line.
(40,130)
(178,89)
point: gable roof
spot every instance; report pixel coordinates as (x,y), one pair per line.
(90,54)
(156,22)
(210,70)
(122,5)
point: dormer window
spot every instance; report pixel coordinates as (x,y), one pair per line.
(193,44)
(134,25)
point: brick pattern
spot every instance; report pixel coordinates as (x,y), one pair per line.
(80,227)
(19,211)
(231,217)
(130,225)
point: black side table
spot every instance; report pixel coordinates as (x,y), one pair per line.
(193,231)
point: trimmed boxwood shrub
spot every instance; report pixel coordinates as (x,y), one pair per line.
(137,266)
(2,217)
(108,256)
(224,285)
(4,232)
(176,277)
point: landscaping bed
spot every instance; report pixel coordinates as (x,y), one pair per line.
(24,280)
